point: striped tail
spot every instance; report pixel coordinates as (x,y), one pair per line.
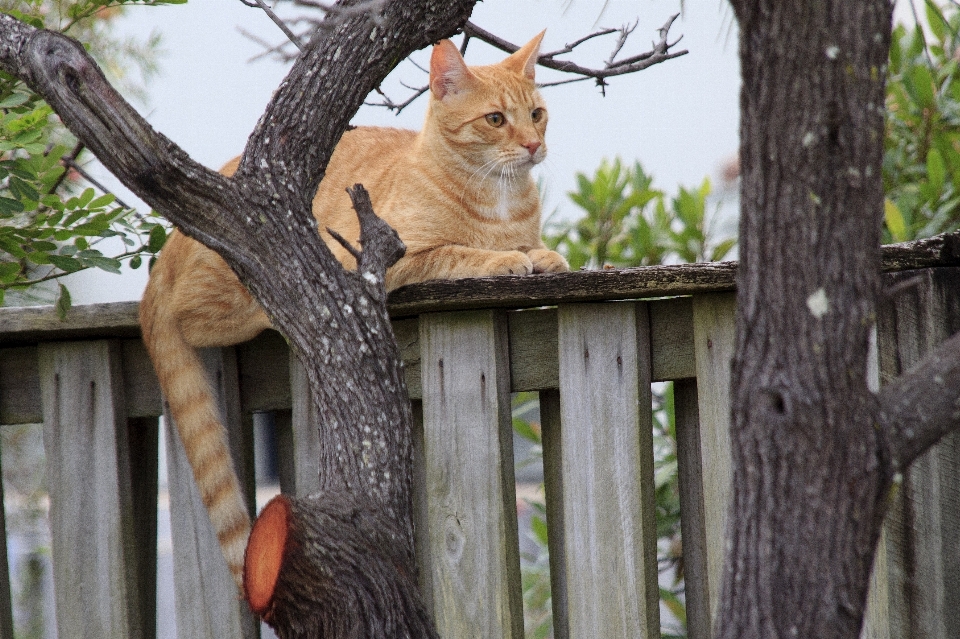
(192,405)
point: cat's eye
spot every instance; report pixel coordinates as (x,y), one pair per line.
(536,115)
(496,119)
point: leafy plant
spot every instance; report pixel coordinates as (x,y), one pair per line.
(629,223)
(49,226)
(921,164)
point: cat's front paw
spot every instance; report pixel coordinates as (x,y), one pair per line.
(546,261)
(508,263)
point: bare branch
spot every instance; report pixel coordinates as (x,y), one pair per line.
(276,20)
(659,53)
(922,405)
(568,48)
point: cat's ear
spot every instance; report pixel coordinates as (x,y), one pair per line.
(524,60)
(449,74)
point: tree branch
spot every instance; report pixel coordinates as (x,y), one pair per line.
(659,53)
(260,221)
(922,405)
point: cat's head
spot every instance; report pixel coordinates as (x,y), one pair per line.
(493,115)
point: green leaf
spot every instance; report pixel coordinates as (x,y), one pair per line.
(13,100)
(9,271)
(63,302)
(102,201)
(936,21)
(921,83)
(64,263)
(894,219)
(936,170)
(85,198)
(158,237)
(103,263)
(135,262)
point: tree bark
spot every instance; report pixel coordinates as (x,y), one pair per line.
(260,222)
(813,454)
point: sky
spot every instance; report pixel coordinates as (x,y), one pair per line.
(678,118)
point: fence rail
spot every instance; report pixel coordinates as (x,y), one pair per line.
(591,357)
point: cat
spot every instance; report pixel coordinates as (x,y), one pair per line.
(460,195)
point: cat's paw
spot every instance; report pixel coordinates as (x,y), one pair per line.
(546,261)
(508,263)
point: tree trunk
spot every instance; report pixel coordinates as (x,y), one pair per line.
(810,469)
(260,222)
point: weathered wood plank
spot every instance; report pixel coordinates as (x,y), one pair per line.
(407,333)
(524,291)
(922,529)
(421,513)
(671,339)
(553,493)
(692,518)
(533,350)
(714,329)
(207,601)
(6,609)
(140,385)
(19,386)
(264,374)
(143,437)
(84,435)
(306,438)
(607,459)
(471,498)
(31,324)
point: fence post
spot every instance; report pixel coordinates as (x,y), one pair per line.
(471,496)
(714,327)
(207,601)
(919,555)
(85,439)
(607,461)
(6,611)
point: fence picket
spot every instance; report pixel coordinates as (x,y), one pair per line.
(713,334)
(471,498)
(84,431)
(607,460)
(918,555)
(207,602)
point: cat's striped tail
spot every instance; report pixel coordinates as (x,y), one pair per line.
(190,397)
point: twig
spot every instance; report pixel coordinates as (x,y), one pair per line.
(276,20)
(568,48)
(345,243)
(659,53)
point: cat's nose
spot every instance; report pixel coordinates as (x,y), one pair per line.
(531,146)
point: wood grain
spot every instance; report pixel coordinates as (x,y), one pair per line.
(84,436)
(607,459)
(922,529)
(713,329)
(306,440)
(692,517)
(6,609)
(471,499)
(207,601)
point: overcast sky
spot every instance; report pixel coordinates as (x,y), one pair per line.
(679,118)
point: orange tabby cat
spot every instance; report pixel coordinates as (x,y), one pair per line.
(459,193)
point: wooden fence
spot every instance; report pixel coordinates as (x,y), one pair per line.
(591,356)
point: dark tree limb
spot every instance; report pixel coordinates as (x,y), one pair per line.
(922,405)
(260,222)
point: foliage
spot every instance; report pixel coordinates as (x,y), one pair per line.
(49,227)
(629,223)
(921,164)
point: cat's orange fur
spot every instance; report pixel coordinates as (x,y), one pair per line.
(459,193)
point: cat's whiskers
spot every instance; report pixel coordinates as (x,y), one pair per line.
(492,164)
